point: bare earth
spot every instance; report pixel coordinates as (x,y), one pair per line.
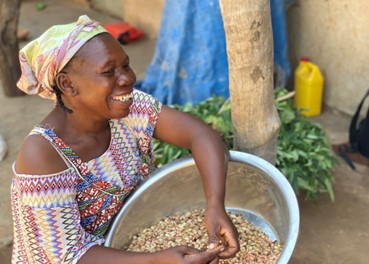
(330,232)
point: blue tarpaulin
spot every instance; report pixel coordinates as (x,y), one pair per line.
(190,60)
(278,14)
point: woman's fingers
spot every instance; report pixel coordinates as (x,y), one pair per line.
(185,250)
(205,257)
(213,241)
(223,233)
(232,245)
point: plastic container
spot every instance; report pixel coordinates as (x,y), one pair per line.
(308,87)
(123,32)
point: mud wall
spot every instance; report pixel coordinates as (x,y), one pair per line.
(334,34)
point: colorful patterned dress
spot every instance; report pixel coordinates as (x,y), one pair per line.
(58,217)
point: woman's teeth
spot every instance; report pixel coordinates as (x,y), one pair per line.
(123,98)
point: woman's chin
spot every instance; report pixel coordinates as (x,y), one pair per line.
(121,109)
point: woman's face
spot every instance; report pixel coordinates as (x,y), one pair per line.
(103,79)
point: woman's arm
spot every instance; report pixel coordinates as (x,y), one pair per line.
(211,157)
(208,150)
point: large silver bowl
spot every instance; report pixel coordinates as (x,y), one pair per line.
(254,187)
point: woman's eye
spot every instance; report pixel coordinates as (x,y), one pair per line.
(109,71)
(125,66)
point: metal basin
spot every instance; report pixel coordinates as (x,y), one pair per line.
(254,187)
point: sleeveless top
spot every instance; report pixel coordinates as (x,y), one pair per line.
(58,217)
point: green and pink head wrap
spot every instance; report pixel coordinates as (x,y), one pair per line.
(43,58)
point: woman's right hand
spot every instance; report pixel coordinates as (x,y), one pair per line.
(187,255)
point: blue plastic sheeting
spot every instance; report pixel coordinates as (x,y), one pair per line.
(190,61)
(278,13)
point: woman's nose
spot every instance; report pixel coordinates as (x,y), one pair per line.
(126,78)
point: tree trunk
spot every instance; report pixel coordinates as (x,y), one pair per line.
(249,39)
(9,62)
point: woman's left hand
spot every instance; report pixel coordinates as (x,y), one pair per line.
(221,230)
(211,158)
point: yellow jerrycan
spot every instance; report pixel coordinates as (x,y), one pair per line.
(308,86)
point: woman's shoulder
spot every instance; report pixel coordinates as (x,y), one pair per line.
(142,100)
(38,157)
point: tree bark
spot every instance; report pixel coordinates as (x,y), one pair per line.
(9,62)
(249,38)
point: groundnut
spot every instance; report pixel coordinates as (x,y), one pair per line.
(189,229)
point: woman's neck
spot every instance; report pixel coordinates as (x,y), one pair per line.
(88,138)
(73,124)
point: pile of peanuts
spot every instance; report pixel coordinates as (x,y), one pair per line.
(189,229)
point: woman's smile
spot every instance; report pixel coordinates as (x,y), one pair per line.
(125,100)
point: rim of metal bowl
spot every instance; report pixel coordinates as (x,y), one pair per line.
(235,156)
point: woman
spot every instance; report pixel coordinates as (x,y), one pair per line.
(75,169)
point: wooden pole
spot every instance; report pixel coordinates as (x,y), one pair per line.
(9,62)
(249,39)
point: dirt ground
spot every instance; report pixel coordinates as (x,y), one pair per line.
(330,232)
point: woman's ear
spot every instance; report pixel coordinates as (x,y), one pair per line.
(65,84)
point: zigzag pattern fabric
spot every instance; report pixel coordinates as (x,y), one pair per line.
(58,217)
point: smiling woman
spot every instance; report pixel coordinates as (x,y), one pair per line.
(102,65)
(77,166)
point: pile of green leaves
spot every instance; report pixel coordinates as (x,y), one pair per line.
(304,154)
(215,111)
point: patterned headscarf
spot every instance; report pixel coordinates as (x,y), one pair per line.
(43,58)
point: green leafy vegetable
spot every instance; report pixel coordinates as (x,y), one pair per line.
(40,5)
(304,154)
